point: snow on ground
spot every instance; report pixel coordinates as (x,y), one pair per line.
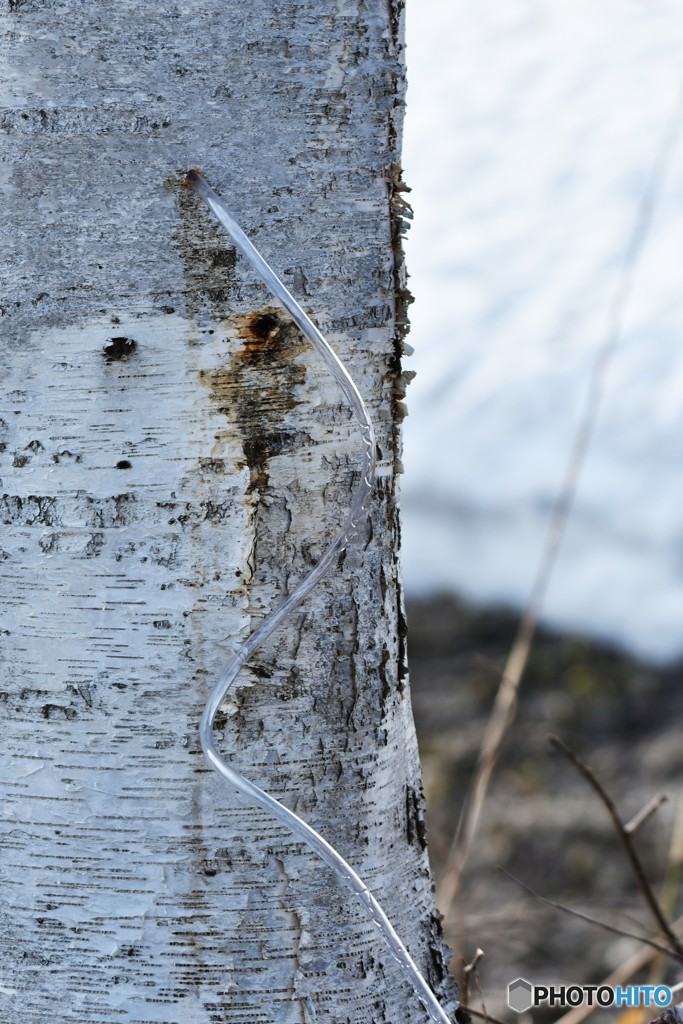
(533,127)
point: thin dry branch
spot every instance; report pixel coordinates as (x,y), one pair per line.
(591,920)
(470,971)
(624,836)
(467,969)
(619,976)
(647,956)
(505,705)
(672,879)
(650,808)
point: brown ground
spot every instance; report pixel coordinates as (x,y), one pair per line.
(541,821)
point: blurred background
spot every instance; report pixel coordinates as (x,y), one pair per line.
(544,149)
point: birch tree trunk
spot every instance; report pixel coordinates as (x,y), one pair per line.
(173,460)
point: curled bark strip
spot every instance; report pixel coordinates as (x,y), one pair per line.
(344,872)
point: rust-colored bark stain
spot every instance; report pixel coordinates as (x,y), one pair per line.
(269,334)
(257,388)
(191,176)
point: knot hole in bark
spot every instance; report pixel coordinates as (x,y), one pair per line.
(119,349)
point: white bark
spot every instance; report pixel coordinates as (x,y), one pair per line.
(173,460)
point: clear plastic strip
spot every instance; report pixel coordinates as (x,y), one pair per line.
(344,872)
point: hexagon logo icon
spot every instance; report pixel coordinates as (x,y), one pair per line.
(519,995)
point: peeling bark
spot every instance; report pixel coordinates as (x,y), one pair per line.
(172,460)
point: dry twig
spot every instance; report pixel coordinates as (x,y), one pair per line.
(504,709)
(467,970)
(624,836)
(650,808)
(591,920)
(619,976)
